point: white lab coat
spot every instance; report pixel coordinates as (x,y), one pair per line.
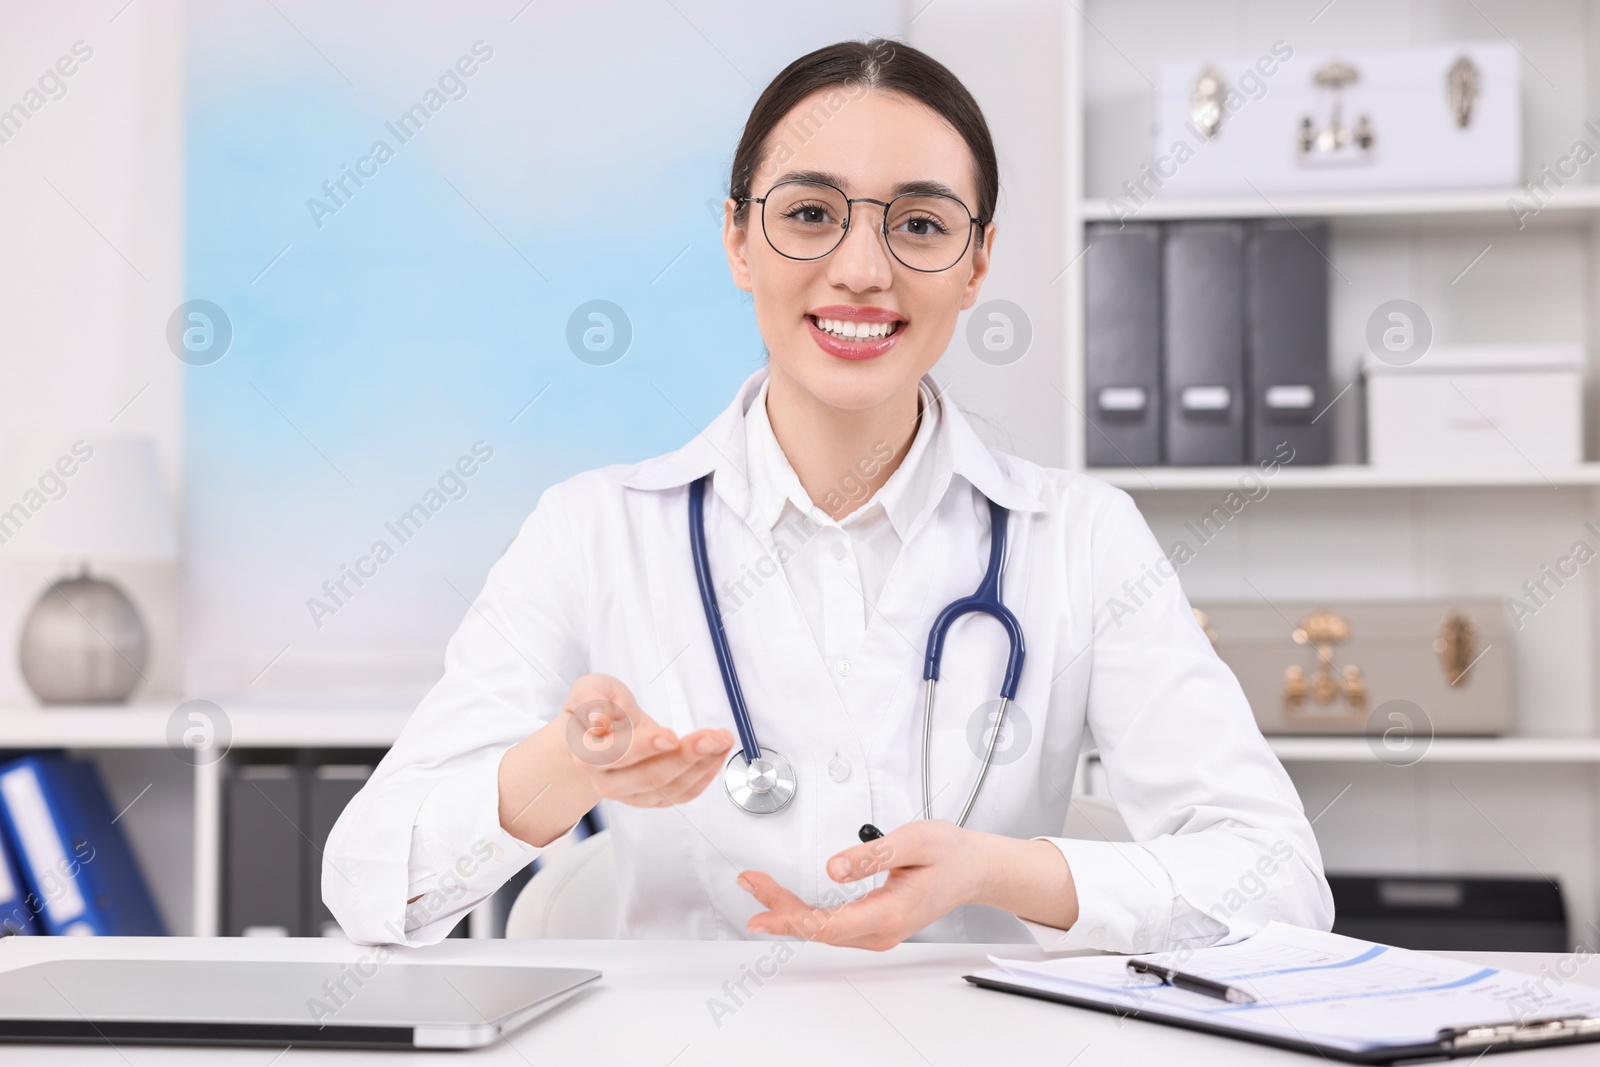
(600,579)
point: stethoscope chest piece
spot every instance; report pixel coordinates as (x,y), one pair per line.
(760,787)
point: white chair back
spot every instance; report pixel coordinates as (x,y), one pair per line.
(573,895)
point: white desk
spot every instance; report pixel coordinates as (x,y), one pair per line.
(824,1006)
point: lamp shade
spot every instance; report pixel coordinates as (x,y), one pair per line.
(91,500)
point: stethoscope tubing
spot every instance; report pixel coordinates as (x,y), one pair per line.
(985,600)
(719,638)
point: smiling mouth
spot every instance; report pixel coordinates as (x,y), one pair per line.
(858,332)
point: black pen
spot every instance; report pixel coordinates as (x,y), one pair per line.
(1191,982)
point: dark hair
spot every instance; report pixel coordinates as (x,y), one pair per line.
(860,66)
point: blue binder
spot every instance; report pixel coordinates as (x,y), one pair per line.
(79,871)
(16,917)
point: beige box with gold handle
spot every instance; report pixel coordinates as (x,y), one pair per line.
(1329,667)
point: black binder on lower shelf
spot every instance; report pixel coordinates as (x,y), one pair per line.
(263,861)
(276,824)
(1310,991)
(329,788)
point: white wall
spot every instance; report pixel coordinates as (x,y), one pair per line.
(91,267)
(1008,53)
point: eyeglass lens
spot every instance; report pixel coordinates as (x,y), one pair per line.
(804,220)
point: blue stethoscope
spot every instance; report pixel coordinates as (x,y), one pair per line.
(761,781)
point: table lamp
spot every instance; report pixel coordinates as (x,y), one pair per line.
(88,503)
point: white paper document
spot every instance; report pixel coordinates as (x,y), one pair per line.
(1318,988)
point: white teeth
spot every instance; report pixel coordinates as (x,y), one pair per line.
(848,330)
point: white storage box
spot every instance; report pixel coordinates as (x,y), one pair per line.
(1363,120)
(1476,408)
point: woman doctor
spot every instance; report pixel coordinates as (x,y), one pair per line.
(848,502)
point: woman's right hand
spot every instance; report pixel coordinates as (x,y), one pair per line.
(601,747)
(627,756)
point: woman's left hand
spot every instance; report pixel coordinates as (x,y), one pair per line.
(934,867)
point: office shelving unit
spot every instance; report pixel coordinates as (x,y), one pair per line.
(1531,801)
(131,744)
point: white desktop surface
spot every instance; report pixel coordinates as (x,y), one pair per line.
(825,1005)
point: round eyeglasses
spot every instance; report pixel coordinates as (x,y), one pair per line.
(928,232)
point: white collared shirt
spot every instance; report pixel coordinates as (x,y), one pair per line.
(835,568)
(600,579)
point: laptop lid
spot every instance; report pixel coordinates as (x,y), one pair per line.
(228,1002)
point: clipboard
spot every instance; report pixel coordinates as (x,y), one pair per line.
(1339,997)
(1465,1041)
